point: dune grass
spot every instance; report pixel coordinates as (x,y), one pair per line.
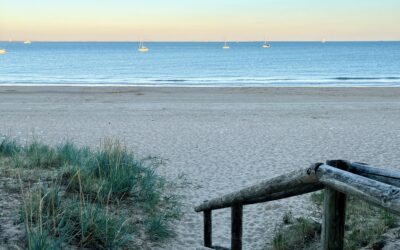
(9,147)
(103,199)
(365,224)
(296,233)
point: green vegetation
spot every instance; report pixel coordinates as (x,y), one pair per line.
(301,233)
(365,224)
(9,147)
(103,199)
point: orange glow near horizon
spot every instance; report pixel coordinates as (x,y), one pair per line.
(207,20)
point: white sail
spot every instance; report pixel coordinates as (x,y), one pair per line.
(142,48)
(266,44)
(226,46)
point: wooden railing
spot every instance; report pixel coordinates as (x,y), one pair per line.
(378,186)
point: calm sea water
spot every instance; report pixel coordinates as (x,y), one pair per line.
(203,64)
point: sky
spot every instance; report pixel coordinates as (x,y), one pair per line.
(200,20)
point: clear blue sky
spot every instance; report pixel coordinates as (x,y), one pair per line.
(201,20)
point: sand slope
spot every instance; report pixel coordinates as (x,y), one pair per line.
(222,139)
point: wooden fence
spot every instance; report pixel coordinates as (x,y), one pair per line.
(339,178)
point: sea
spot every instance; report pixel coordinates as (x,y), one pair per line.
(196,64)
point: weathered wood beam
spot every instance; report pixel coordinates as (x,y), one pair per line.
(333,220)
(207,228)
(385,175)
(286,194)
(292,184)
(375,192)
(237,227)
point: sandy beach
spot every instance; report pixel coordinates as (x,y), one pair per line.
(221,139)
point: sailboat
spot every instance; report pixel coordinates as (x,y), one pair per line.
(3,51)
(266,45)
(27,42)
(142,48)
(226,46)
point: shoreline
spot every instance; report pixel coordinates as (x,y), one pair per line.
(101,85)
(211,94)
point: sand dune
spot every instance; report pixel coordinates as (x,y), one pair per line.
(222,139)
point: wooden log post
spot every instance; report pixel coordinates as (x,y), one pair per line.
(207,228)
(339,182)
(334,214)
(333,219)
(237,227)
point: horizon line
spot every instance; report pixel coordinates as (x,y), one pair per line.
(192,41)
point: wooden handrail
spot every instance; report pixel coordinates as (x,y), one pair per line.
(380,187)
(388,176)
(292,184)
(377,193)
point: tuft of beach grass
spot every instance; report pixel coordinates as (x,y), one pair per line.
(105,198)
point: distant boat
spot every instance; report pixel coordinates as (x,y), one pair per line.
(226,46)
(266,45)
(323,41)
(142,48)
(27,42)
(3,51)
